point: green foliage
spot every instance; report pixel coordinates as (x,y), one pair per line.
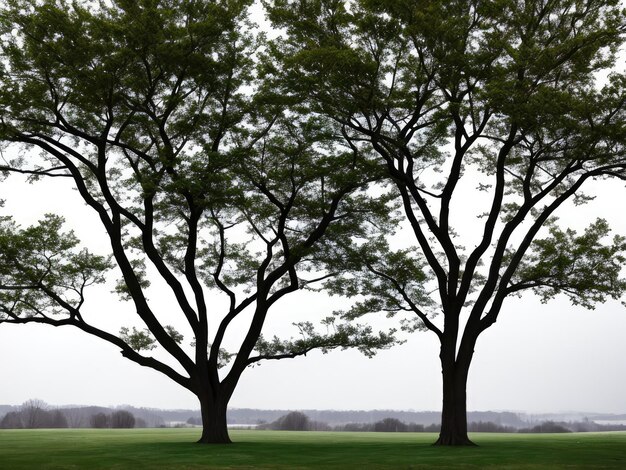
(287,185)
(136,339)
(139,268)
(112,59)
(381,280)
(506,92)
(582,267)
(42,271)
(144,340)
(175,335)
(342,336)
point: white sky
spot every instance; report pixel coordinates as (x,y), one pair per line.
(536,358)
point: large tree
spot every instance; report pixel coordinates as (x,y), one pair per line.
(199,176)
(501,108)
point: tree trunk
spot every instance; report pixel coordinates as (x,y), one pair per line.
(214,426)
(454,413)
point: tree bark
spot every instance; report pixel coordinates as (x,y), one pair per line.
(214,425)
(454,412)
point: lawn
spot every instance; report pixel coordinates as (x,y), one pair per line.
(138,449)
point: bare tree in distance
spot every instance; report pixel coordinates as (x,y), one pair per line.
(56,419)
(75,417)
(34,413)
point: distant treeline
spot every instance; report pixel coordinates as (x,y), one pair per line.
(36,414)
(298,421)
(341,417)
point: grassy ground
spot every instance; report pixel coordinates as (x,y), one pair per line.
(138,449)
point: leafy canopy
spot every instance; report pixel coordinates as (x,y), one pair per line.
(200,173)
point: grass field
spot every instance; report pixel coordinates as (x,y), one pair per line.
(138,449)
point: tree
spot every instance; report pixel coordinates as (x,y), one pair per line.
(390,425)
(198,174)
(12,420)
(34,414)
(547,426)
(75,417)
(194,421)
(140,423)
(293,421)
(122,419)
(57,419)
(504,96)
(100,421)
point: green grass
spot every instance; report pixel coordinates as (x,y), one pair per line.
(138,449)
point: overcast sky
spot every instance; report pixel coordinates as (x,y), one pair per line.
(536,358)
